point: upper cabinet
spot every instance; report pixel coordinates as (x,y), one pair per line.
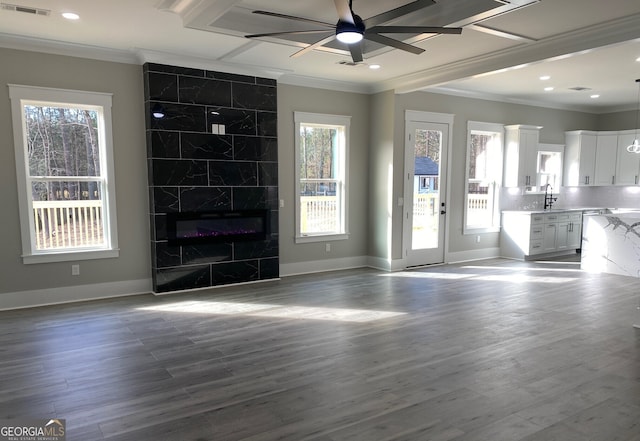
(606,149)
(580,158)
(627,164)
(520,160)
(600,158)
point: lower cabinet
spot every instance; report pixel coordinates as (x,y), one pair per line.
(526,234)
(550,238)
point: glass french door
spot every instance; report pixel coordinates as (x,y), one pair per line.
(425,192)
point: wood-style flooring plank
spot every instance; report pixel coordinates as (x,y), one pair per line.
(495,349)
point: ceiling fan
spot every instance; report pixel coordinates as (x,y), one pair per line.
(351,29)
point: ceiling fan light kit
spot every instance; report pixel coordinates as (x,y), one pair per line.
(350,33)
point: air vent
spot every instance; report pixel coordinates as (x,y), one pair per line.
(25,9)
(579,88)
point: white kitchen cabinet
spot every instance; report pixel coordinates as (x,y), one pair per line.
(627,164)
(521,234)
(606,151)
(579,158)
(574,237)
(608,164)
(569,228)
(550,237)
(521,155)
(525,234)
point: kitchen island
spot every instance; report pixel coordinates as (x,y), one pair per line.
(531,234)
(611,243)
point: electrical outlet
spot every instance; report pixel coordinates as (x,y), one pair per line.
(75,270)
(327,247)
(477,239)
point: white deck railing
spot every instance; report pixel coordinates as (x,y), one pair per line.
(68,224)
(318,213)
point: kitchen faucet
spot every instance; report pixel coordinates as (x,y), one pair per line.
(548,197)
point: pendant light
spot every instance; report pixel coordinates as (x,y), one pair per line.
(635,146)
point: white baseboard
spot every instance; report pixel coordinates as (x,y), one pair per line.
(69,294)
(79,293)
(386,265)
(466,256)
(319,266)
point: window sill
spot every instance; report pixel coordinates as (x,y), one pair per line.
(472,231)
(322,238)
(69,256)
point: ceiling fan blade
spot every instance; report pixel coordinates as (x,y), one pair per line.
(278,34)
(393,43)
(397,12)
(314,45)
(344,11)
(414,30)
(293,17)
(356,52)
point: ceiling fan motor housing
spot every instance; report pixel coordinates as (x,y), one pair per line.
(357,27)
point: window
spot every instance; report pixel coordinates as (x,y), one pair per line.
(549,166)
(64,165)
(322,143)
(483,177)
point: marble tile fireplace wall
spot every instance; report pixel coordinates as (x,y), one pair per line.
(211,147)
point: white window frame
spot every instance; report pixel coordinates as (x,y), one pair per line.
(557,149)
(20,96)
(474,127)
(317,119)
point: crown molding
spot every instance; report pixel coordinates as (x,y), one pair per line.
(320,83)
(152,56)
(67,49)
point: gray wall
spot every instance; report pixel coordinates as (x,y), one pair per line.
(381,173)
(302,99)
(125,82)
(376,157)
(618,121)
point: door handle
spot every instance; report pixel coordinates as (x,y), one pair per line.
(443,212)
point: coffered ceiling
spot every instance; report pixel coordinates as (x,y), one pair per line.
(587,47)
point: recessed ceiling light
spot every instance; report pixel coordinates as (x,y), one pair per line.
(70,16)
(374,66)
(638,59)
(545,77)
(548,89)
(594,96)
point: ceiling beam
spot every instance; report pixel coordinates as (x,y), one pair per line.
(562,45)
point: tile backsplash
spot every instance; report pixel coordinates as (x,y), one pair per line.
(575,197)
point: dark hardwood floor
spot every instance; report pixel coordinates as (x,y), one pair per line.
(495,350)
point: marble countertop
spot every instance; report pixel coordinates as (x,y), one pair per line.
(559,210)
(611,243)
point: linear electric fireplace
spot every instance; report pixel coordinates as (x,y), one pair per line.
(189,228)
